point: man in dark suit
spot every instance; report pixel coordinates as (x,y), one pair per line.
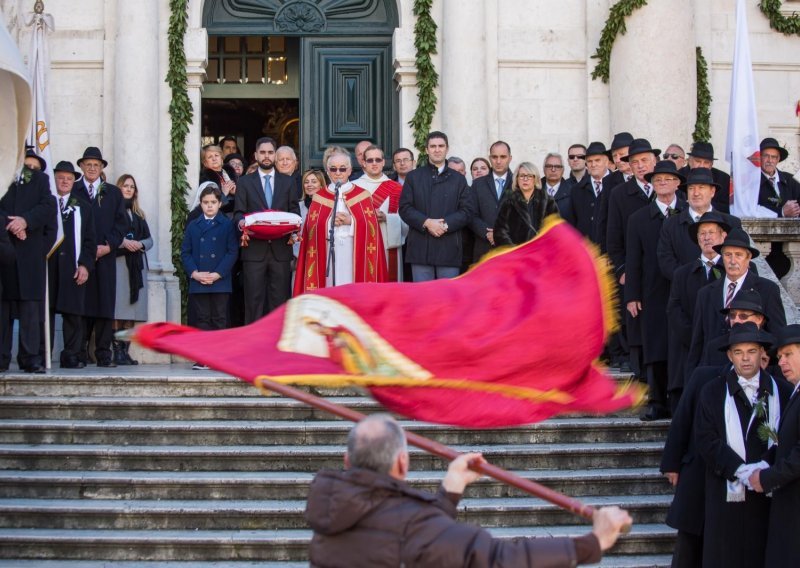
(554,184)
(779,191)
(709,318)
(675,246)
(620,147)
(585,195)
(487,191)
(30,210)
(702,156)
(266,264)
(782,478)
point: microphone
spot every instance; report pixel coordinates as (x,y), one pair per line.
(336,187)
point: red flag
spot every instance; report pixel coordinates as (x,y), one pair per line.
(513,341)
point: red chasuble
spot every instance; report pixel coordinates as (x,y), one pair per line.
(369,258)
(390,190)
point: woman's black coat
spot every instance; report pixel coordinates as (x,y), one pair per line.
(519,220)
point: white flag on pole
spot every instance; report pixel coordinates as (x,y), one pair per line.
(742,148)
(15,107)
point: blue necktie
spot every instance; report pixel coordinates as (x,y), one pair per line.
(268,191)
(500,183)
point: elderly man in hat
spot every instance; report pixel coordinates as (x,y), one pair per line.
(782,477)
(583,212)
(646,289)
(674,153)
(620,147)
(110,225)
(708,320)
(779,191)
(34,161)
(675,246)
(733,411)
(702,156)
(30,211)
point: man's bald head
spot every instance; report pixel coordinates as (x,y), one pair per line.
(375,443)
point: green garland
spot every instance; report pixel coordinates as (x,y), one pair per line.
(702,125)
(180,112)
(615,25)
(777,21)
(427,77)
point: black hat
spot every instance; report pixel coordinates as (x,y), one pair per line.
(698,176)
(92,153)
(233,156)
(621,140)
(703,150)
(29,153)
(745,300)
(597,149)
(665,167)
(772,143)
(737,238)
(640,146)
(747,332)
(788,335)
(64,166)
(708,217)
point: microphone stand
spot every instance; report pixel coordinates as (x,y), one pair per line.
(331,270)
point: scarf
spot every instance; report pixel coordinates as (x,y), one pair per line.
(134,261)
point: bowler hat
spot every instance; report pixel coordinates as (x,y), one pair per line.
(745,300)
(621,140)
(698,176)
(64,166)
(708,217)
(737,238)
(640,146)
(665,167)
(29,153)
(772,143)
(233,156)
(597,149)
(788,335)
(701,149)
(746,332)
(92,153)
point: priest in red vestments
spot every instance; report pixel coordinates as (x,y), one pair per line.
(358,245)
(386,200)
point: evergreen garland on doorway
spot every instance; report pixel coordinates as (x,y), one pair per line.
(427,77)
(777,21)
(180,112)
(702,125)
(615,25)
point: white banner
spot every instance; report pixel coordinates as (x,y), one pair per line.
(15,107)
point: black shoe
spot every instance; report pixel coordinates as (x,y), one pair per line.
(654,412)
(74,364)
(36,369)
(106,363)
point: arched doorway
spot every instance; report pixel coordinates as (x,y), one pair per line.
(311,73)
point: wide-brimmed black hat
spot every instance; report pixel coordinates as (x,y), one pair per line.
(737,238)
(621,140)
(596,149)
(708,217)
(92,153)
(64,166)
(746,300)
(772,143)
(29,153)
(746,332)
(665,167)
(640,146)
(698,176)
(788,335)
(233,156)
(701,149)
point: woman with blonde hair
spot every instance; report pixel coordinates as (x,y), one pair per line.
(523,209)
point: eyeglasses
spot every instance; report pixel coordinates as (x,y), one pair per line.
(665,179)
(577,156)
(340,170)
(672,156)
(553,167)
(526,177)
(373,160)
(402,160)
(743,316)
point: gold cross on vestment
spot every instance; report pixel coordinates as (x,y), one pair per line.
(371,248)
(312,251)
(314,215)
(369,212)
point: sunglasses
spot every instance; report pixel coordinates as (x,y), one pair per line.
(341,170)
(373,160)
(672,156)
(577,156)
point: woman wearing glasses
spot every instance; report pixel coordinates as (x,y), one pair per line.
(522,211)
(357,254)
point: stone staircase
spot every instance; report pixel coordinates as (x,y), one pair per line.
(162,466)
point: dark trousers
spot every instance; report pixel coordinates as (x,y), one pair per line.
(29,313)
(267,285)
(72,332)
(688,551)
(103,333)
(657,383)
(210,310)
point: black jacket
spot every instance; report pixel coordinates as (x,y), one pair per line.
(519,220)
(789,189)
(611,181)
(66,297)
(487,203)
(584,209)
(721,200)
(624,201)
(427,194)
(562,197)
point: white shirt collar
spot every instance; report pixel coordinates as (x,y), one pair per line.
(695,216)
(664,207)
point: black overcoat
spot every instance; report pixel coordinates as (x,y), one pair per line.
(428,194)
(789,189)
(624,201)
(33,201)
(7,254)
(66,297)
(563,198)
(110,226)
(584,208)
(487,203)
(721,201)
(519,220)
(734,534)
(610,182)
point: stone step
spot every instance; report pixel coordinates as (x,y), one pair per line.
(284,545)
(280,514)
(311,458)
(227,432)
(294,485)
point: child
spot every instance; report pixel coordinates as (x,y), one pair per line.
(208,253)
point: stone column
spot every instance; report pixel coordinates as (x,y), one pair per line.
(653,74)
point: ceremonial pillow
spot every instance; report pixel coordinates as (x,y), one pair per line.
(266,225)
